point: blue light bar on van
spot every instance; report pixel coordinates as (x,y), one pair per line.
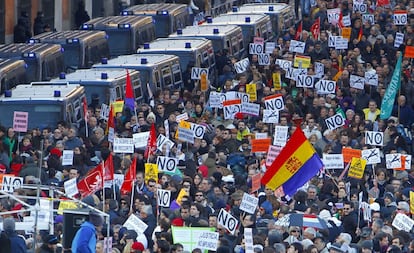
(56,93)
(234,9)
(146,45)
(216,31)
(62,75)
(32,41)
(144,60)
(188,45)
(124,26)
(271,8)
(7,93)
(209,20)
(104,76)
(247,20)
(179,31)
(104,60)
(29,55)
(87,27)
(127,13)
(72,41)
(162,12)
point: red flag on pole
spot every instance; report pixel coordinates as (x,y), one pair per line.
(340,24)
(316,28)
(109,168)
(85,115)
(152,143)
(129,93)
(129,178)
(298,34)
(92,182)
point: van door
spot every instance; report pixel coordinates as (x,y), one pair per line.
(167,77)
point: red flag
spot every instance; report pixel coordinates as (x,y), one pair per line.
(129,178)
(111,122)
(152,143)
(340,24)
(109,168)
(92,182)
(360,34)
(316,28)
(129,93)
(298,34)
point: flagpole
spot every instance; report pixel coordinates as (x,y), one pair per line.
(132,196)
(103,188)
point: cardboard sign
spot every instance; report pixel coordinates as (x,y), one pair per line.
(371,155)
(368,18)
(270,116)
(335,121)
(252,91)
(163,197)
(151,172)
(400,17)
(371,78)
(319,69)
(333,15)
(269,47)
(393,161)
(284,64)
(402,222)
(168,164)
(333,161)
(349,153)
(186,135)
(304,81)
(162,140)
(140,140)
(198,130)
(260,145)
(357,82)
(357,168)
(359,7)
(118,106)
(256,48)
(346,33)
(277,81)
(272,154)
(197,72)
(242,65)
(263,59)
(256,182)
(231,108)
(71,187)
(250,109)
(227,220)
(11,183)
(135,223)
(248,240)
(181,117)
(20,121)
(399,39)
(297,46)
(124,145)
(188,236)
(374,138)
(274,102)
(325,87)
(346,20)
(302,61)
(280,136)
(104,113)
(249,203)
(67,157)
(208,240)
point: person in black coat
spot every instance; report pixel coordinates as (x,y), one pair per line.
(81,15)
(350,219)
(39,24)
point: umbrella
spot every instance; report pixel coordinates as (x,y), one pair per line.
(301,220)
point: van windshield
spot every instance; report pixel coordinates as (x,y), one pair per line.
(120,42)
(40,115)
(72,57)
(162,25)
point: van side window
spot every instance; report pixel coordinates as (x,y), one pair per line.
(118,92)
(157,80)
(166,75)
(70,113)
(177,73)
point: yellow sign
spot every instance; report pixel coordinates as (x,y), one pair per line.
(411,202)
(302,61)
(203,82)
(346,33)
(182,124)
(357,168)
(277,81)
(66,205)
(151,172)
(183,192)
(251,90)
(118,106)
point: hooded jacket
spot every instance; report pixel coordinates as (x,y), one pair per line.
(85,239)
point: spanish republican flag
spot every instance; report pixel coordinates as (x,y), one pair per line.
(298,156)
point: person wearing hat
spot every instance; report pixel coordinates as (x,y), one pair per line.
(49,244)
(389,205)
(17,243)
(367,246)
(335,248)
(85,238)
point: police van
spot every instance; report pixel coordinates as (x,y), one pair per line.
(229,37)
(252,25)
(82,49)
(157,71)
(281,14)
(167,17)
(104,85)
(193,52)
(12,73)
(125,33)
(44,61)
(46,103)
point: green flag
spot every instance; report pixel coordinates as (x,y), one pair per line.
(391,92)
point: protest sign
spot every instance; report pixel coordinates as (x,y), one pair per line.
(260,145)
(402,222)
(67,157)
(249,203)
(333,161)
(227,220)
(207,240)
(357,168)
(71,188)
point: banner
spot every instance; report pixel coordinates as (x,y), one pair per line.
(389,97)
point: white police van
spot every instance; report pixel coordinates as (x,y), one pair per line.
(12,73)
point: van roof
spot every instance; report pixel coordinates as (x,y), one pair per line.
(17,49)
(41,91)
(174,44)
(62,37)
(114,21)
(92,75)
(207,31)
(263,8)
(10,62)
(134,60)
(237,19)
(152,9)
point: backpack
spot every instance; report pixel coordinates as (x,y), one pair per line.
(5,243)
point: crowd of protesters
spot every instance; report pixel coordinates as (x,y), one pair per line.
(217,169)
